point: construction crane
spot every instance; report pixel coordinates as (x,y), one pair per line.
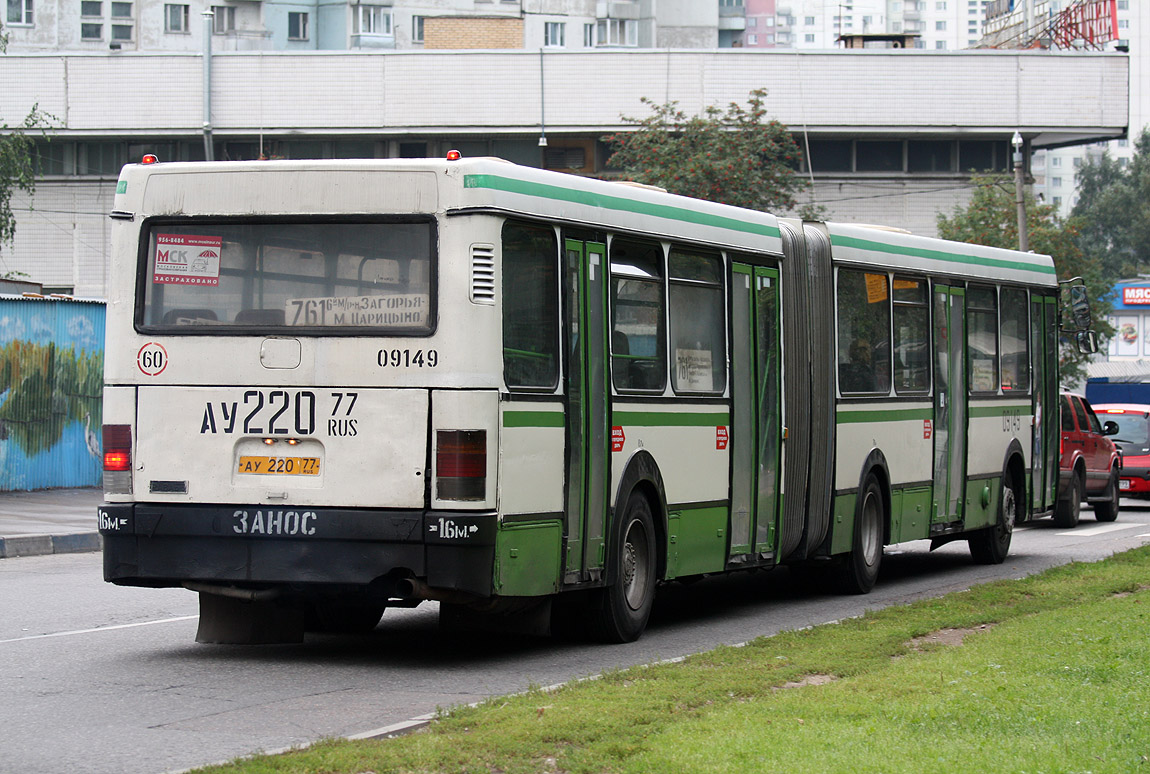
(1083,24)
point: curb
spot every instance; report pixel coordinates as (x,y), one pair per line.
(39,545)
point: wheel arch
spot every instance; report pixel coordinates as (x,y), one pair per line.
(1080,470)
(641,474)
(876,464)
(1075,468)
(1014,464)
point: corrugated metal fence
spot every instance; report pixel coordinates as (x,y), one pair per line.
(51,382)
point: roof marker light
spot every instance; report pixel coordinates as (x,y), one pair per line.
(149,158)
(454,155)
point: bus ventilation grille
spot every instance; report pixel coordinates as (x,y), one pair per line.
(483,274)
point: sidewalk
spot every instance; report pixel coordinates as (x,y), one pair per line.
(49,521)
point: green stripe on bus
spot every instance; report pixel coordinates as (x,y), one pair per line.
(619,203)
(938,255)
(662,419)
(533,419)
(998,411)
(883,415)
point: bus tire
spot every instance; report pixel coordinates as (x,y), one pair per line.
(1107,510)
(623,607)
(858,570)
(991,545)
(1068,511)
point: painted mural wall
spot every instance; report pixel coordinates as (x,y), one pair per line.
(51,381)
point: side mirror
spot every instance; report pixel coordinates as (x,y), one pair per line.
(1087,342)
(1110,427)
(1080,307)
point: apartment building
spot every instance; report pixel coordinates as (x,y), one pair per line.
(322,25)
(892,135)
(937,25)
(1055,170)
(300,25)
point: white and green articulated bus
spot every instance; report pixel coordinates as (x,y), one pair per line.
(334,387)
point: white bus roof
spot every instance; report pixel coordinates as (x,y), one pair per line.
(346,187)
(871,246)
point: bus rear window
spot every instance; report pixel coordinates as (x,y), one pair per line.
(232,277)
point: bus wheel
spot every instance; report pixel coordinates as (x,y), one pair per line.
(1107,510)
(990,545)
(623,608)
(1066,512)
(858,570)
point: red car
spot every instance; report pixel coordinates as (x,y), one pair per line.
(1090,466)
(1133,439)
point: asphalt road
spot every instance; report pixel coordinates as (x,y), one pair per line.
(97,678)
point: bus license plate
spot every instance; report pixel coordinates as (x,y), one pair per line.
(279,466)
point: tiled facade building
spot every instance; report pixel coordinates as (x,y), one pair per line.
(892,135)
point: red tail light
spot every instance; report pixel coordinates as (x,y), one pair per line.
(461,464)
(118,459)
(117,447)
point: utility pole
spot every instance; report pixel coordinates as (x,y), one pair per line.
(1019,198)
(208,17)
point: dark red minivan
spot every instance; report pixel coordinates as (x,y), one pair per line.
(1090,465)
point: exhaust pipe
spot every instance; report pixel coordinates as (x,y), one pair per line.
(414,588)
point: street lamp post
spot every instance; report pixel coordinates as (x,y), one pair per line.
(1019,198)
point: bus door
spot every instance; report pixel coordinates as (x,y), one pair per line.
(756,443)
(1044,388)
(585,380)
(950,407)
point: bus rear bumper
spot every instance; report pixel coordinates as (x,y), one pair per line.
(266,547)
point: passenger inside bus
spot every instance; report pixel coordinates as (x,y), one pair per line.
(857,373)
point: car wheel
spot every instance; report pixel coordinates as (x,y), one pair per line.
(1067,511)
(1107,510)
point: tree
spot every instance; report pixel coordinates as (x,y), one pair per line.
(991,218)
(1114,205)
(17,165)
(735,156)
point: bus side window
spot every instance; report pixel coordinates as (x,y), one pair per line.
(530,306)
(638,314)
(982,338)
(698,355)
(863,332)
(1015,340)
(911,336)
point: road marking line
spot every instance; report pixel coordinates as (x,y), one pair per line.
(99,629)
(1100,529)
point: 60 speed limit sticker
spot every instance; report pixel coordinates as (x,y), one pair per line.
(152,359)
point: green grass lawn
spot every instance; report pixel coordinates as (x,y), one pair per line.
(1044,675)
